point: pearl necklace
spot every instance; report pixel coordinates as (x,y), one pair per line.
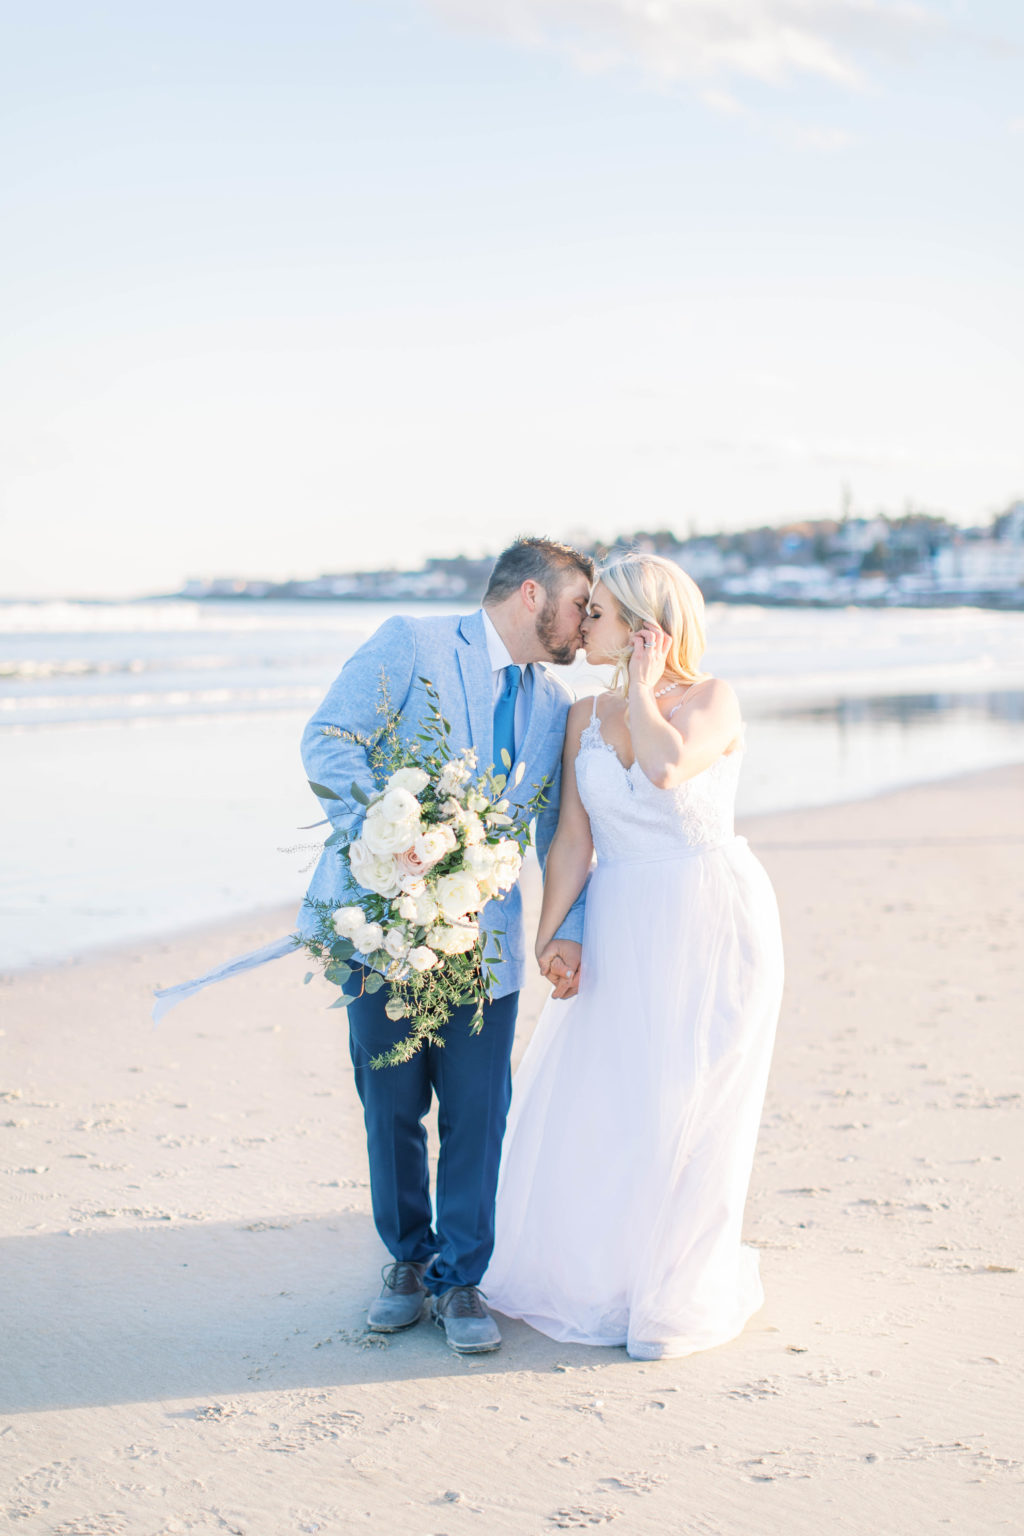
(659,693)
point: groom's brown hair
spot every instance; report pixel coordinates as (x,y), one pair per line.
(545,561)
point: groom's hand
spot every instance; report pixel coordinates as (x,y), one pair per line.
(560,963)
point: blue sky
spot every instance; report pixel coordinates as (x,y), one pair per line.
(299,287)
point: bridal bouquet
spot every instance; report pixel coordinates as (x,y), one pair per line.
(434,844)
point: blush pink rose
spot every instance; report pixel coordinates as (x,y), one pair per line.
(410,863)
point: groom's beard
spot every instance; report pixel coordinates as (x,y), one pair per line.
(561,652)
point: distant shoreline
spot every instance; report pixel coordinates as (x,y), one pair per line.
(999,602)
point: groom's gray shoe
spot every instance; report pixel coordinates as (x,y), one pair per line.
(468,1326)
(400,1303)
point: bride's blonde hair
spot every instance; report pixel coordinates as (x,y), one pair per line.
(651,589)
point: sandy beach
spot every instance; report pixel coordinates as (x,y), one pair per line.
(188,1250)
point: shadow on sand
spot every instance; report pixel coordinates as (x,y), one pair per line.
(105,1317)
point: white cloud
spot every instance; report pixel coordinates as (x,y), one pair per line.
(768,40)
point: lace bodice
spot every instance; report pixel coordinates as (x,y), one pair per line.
(633,819)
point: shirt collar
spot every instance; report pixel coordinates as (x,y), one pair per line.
(497,650)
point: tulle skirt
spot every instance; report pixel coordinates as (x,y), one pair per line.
(635,1114)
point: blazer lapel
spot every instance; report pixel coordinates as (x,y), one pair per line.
(475,667)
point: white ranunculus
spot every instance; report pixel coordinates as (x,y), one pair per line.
(393,824)
(480,859)
(456,895)
(472,829)
(483,866)
(372,871)
(413,885)
(475,801)
(412,779)
(396,944)
(505,876)
(426,909)
(456,939)
(347,920)
(432,845)
(405,906)
(507,851)
(369,938)
(422,958)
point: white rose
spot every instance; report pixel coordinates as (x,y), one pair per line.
(396,944)
(369,938)
(373,871)
(413,885)
(426,909)
(412,779)
(456,895)
(432,845)
(405,906)
(456,940)
(422,958)
(507,851)
(347,921)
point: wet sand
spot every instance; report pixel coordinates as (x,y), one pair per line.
(188,1249)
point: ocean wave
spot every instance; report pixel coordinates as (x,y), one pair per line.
(78,708)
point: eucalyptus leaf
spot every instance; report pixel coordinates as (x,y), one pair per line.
(358,794)
(341,1001)
(322,792)
(338,972)
(307,978)
(336,837)
(506,757)
(374,981)
(342,949)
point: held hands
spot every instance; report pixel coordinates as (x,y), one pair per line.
(559,961)
(650,650)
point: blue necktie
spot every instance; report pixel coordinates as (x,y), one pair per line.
(505,719)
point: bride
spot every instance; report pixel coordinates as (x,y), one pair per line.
(636,1108)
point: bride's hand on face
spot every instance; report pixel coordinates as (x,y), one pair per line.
(650,650)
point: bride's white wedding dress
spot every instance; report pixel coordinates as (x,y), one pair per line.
(636,1108)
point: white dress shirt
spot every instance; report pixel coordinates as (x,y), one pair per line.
(498,652)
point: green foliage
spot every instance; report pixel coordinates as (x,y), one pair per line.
(322,792)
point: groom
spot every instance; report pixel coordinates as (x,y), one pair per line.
(496,697)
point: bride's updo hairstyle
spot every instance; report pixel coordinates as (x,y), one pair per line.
(650,589)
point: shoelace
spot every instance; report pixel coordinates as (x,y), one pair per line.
(463,1301)
(402,1274)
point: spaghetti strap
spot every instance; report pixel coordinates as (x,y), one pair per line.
(593,710)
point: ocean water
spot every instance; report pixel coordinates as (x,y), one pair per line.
(150,775)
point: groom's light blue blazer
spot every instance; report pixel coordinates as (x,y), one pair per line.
(451,652)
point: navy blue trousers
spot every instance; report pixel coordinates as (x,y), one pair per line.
(471,1076)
